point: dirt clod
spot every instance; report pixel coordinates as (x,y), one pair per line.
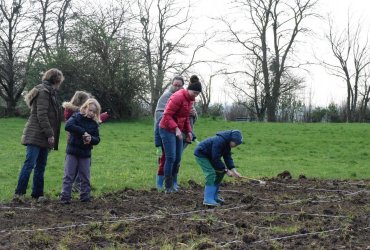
(285,175)
(302,177)
(248,238)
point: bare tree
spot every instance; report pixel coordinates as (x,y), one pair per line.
(277,23)
(364,94)
(250,94)
(165,27)
(206,94)
(53,21)
(290,102)
(352,61)
(18,46)
(62,17)
(109,64)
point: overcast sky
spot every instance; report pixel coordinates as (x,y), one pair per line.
(325,88)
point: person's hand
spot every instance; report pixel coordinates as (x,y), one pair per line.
(228,172)
(193,112)
(159,151)
(189,137)
(179,134)
(51,140)
(86,138)
(235,173)
(104,116)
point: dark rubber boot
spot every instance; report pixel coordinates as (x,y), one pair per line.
(168,184)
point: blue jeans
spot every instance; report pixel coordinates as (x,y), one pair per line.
(36,158)
(173,148)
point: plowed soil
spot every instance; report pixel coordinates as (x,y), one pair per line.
(283,214)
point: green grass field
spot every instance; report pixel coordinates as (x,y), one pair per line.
(126,155)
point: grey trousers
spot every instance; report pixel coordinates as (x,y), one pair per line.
(73,165)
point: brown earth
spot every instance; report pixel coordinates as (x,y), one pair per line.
(283,214)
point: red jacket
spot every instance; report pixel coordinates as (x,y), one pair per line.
(177,112)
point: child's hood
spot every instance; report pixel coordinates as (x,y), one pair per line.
(70,106)
(231,135)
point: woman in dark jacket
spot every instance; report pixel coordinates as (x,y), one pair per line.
(41,133)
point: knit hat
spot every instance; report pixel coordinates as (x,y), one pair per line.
(196,86)
(236,136)
(194,78)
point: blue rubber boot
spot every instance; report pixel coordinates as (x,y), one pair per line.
(159,182)
(217,197)
(209,196)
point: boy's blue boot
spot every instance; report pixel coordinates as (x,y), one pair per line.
(159,182)
(209,196)
(217,197)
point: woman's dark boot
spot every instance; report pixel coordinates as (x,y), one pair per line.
(168,184)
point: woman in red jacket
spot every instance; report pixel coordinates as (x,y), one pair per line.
(174,125)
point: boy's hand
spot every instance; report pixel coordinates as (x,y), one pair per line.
(234,173)
(229,173)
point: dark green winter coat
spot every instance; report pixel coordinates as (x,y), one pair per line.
(45,118)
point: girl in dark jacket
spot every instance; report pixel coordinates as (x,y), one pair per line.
(41,133)
(174,125)
(72,107)
(208,155)
(84,133)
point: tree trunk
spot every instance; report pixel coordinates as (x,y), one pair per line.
(271,109)
(10,108)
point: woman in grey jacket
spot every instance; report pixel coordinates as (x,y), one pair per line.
(176,84)
(41,133)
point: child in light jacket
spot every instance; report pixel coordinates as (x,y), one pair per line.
(83,127)
(208,154)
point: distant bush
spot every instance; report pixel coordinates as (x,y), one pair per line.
(234,111)
(215,110)
(318,114)
(333,113)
